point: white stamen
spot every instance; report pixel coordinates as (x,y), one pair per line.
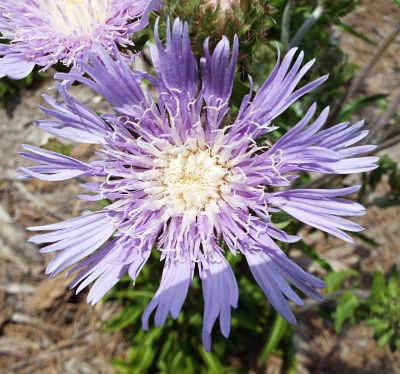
(192,181)
(75,17)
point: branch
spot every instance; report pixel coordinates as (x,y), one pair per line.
(310,304)
(363,74)
(308,23)
(384,118)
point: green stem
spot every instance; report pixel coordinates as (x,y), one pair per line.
(306,26)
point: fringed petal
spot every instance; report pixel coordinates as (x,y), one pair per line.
(220,293)
(169,298)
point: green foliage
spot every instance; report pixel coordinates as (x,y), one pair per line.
(347,302)
(390,172)
(345,309)
(351,30)
(383,309)
(334,280)
(10,89)
(380,310)
(276,334)
(353,106)
(55,145)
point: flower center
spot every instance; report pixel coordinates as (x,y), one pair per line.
(192,180)
(75,17)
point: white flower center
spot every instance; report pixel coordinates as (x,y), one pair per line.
(75,17)
(191,181)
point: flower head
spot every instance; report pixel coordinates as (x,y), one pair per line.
(44,32)
(224,5)
(187,182)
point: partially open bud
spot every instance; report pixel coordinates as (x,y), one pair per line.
(249,19)
(224,5)
(234,11)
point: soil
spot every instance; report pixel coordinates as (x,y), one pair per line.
(44,327)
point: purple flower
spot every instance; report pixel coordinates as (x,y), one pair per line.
(184,178)
(44,32)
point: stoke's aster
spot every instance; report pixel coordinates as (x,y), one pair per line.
(44,32)
(185,179)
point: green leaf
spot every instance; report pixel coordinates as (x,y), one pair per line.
(276,334)
(240,89)
(345,309)
(351,30)
(121,366)
(140,41)
(377,309)
(55,145)
(393,286)
(126,318)
(384,339)
(146,359)
(365,238)
(378,287)
(214,366)
(103,203)
(334,280)
(385,202)
(377,324)
(283,225)
(359,103)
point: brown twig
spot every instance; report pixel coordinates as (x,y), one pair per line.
(333,296)
(384,118)
(38,201)
(382,48)
(388,143)
(363,74)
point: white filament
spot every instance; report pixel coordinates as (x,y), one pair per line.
(192,180)
(188,180)
(78,18)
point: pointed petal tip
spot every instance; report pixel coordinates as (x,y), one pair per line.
(299,302)
(349,240)
(207,348)
(357,187)
(206,338)
(31,228)
(319,283)
(33,239)
(290,319)
(145,324)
